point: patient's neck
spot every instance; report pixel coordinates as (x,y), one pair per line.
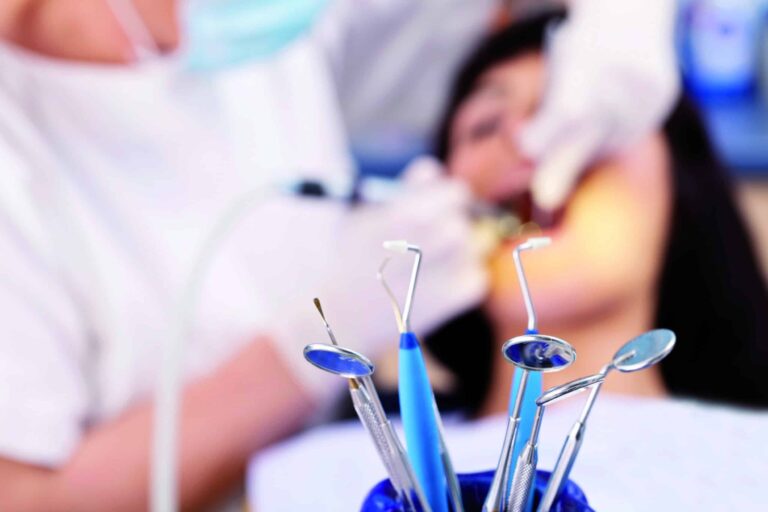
(595,341)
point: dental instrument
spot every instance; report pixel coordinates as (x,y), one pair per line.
(421,418)
(637,354)
(532,353)
(358,370)
(534,386)
(525,391)
(525,468)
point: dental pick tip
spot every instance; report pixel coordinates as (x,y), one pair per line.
(396,245)
(538,242)
(319,308)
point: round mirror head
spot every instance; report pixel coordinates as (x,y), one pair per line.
(340,361)
(539,353)
(569,389)
(645,350)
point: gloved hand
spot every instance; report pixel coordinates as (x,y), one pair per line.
(612,79)
(334,251)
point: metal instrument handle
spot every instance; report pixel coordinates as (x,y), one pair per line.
(525,471)
(391,451)
(565,461)
(495,498)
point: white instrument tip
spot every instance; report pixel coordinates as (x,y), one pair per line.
(396,245)
(538,242)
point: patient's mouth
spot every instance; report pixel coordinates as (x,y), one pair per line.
(513,218)
(547,219)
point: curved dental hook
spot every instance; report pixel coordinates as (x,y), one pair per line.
(402,246)
(392,299)
(531,243)
(327,326)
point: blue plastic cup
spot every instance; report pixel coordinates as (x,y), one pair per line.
(474,488)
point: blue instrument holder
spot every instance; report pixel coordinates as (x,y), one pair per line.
(474,487)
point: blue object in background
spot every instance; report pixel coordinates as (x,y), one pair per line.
(739,130)
(720,42)
(422,437)
(474,488)
(224,33)
(387,154)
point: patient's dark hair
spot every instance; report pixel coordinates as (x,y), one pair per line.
(711,291)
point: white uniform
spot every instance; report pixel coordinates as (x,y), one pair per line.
(97,239)
(638,455)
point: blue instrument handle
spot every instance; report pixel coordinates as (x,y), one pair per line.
(422,434)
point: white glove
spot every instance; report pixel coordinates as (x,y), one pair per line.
(337,253)
(612,79)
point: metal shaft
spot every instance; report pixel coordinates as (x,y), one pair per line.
(570,449)
(411,287)
(563,466)
(494,498)
(532,322)
(368,408)
(454,488)
(496,493)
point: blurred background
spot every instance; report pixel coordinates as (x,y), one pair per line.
(389,109)
(723,50)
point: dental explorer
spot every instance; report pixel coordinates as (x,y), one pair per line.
(421,418)
(637,354)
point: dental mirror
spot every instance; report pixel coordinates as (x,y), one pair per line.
(358,369)
(639,353)
(338,360)
(645,350)
(539,352)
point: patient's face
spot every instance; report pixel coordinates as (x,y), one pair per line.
(608,245)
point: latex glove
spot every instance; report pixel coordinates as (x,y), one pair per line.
(612,79)
(338,258)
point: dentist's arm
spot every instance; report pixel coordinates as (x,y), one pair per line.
(247,403)
(612,79)
(262,393)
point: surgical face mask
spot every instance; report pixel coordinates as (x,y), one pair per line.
(218,34)
(224,33)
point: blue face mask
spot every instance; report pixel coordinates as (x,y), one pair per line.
(223,33)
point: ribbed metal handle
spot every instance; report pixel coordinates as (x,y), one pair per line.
(371,422)
(525,471)
(390,450)
(518,496)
